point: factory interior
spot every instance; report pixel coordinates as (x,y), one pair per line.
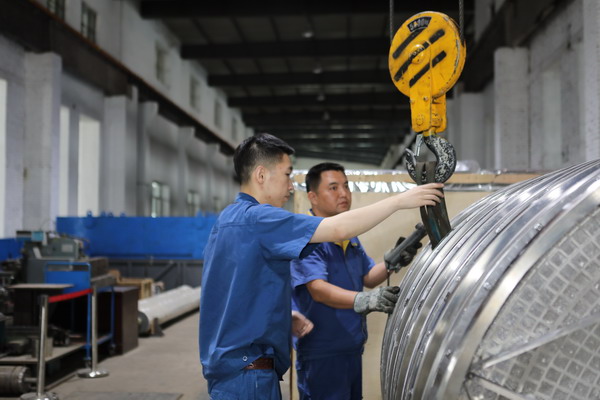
(119,121)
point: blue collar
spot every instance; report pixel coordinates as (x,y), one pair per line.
(241,196)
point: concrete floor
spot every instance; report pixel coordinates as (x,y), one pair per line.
(167,364)
(171,364)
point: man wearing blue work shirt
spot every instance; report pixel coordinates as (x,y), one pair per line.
(328,289)
(245,305)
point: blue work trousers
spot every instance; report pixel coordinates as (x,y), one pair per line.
(257,384)
(332,378)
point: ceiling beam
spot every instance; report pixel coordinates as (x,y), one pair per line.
(381,128)
(297,48)
(324,130)
(370,147)
(350,99)
(307,78)
(340,155)
(397,115)
(349,140)
(243,8)
(36,29)
(375,152)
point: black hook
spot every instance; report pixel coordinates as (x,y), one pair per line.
(445,156)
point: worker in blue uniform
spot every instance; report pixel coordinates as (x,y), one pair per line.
(245,305)
(328,290)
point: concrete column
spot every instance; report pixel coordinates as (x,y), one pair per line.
(465,124)
(146,115)
(114,155)
(511,109)
(42,138)
(210,182)
(73,202)
(185,135)
(571,139)
(132,156)
(393,154)
(591,79)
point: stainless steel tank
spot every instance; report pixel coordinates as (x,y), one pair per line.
(508,305)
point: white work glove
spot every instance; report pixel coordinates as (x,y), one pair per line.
(381,299)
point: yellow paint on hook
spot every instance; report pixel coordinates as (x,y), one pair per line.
(426,59)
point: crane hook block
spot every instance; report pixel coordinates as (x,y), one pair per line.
(426,58)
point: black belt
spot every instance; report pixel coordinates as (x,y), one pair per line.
(260,363)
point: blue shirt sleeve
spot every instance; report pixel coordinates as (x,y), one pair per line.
(282,234)
(309,268)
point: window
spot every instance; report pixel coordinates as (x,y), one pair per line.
(195,93)
(88,22)
(161,64)
(218,111)
(193,203)
(56,7)
(160,200)
(234,129)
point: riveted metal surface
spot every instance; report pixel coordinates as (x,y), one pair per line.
(517,254)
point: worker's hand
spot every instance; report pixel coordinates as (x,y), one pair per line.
(422,195)
(301,326)
(405,257)
(381,299)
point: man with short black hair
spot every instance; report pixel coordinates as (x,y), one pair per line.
(245,306)
(328,290)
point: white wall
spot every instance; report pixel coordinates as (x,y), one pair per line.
(556,134)
(561,114)
(12,71)
(69,172)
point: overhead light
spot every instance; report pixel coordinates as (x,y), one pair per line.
(308,34)
(326,116)
(320,97)
(317,69)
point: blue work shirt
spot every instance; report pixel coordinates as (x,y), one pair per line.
(336,331)
(245,302)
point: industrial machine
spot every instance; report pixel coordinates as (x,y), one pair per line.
(41,248)
(54,265)
(507,305)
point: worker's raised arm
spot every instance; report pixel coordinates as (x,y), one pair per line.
(356,222)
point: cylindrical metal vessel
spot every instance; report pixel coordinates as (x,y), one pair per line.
(508,305)
(166,306)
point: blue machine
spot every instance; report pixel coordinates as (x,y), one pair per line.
(10,248)
(141,237)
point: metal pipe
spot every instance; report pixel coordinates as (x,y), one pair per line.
(167,306)
(93,372)
(41,361)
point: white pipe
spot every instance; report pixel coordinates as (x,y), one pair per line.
(167,306)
